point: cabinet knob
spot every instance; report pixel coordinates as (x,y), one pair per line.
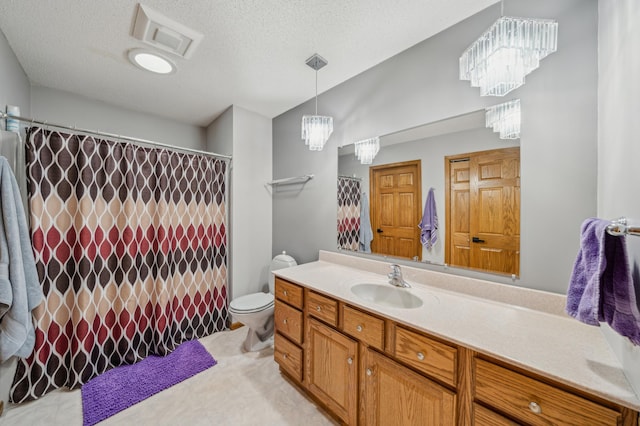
(285,292)
(318,308)
(420,356)
(535,407)
(369,372)
(359,328)
(284,356)
(349,360)
(284,320)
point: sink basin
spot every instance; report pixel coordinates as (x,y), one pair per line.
(387,295)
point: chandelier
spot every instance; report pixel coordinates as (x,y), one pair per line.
(316,129)
(505,119)
(367,149)
(510,49)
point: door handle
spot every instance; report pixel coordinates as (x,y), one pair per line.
(477,240)
(379,231)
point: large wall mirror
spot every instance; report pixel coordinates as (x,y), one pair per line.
(474,178)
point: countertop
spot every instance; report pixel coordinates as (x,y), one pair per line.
(550,344)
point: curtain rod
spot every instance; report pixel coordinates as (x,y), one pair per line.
(4,115)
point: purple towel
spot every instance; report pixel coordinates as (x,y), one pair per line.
(601,287)
(429,222)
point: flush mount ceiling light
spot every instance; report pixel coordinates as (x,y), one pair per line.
(510,49)
(367,149)
(151,61)
(316,129)
(505,119)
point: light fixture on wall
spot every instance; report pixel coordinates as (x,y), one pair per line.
(150,61)
(367,149)
(316,129)
(511,48)
(505,119)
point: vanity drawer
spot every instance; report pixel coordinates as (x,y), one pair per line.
(288,356)
(364,327)
(288,321)
(534,402)
(323,308)
(485,417)
(289,293)
(425,354)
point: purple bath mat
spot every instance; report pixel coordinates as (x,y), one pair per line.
(124,386)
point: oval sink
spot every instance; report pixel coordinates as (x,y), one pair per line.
(387,295)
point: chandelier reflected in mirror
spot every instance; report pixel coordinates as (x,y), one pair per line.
(505,119)
(316,129)
(367,149)
(511,48)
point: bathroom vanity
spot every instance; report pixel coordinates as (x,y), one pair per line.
(449,350)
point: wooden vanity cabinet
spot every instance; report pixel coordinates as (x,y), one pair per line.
(332,370)
(396,395)
(370,370)
(289,328)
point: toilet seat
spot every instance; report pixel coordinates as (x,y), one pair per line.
(251,303)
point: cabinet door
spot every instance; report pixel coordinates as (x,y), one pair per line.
(332,372)
(395,395)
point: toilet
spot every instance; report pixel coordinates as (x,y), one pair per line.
(255,310)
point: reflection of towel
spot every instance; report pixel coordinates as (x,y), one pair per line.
(20,290)
(429,223)
(601,286)
(366,234)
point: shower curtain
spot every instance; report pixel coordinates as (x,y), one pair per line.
(348,213)
(130,245)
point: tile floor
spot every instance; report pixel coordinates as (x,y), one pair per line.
(242,389)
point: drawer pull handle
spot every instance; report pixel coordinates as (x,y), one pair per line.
(535,407)
(359,328)
(285,292)
(369,372)
(420,356)
(284,356)
(284,320)
(349,360)
(318,308)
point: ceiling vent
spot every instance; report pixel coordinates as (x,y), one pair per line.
(163,33)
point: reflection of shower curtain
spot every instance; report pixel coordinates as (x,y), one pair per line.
(131,249)
(348,213)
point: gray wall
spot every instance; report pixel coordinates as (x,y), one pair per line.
(247,136)
(618,147)
(431,151)
(14,84)
(57,106)
(421,85)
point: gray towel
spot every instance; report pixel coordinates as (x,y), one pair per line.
(20,290)
(366,234)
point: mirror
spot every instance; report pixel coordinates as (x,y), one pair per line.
(428,144)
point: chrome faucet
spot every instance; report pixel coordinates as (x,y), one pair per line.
(395,277)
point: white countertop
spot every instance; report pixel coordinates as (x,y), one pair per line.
(550,344)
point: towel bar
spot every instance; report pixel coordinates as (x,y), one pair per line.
(291,180)
(619,227)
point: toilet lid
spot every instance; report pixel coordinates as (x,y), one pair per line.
(252,302)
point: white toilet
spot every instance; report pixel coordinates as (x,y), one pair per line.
(255,310)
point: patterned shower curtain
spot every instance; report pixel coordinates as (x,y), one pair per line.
(131,249)
(348,213)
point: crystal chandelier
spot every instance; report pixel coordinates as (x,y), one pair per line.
(509,50)
(505,119)
(367,149)
(316,129)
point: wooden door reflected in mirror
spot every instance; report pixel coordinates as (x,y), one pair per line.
(396,209)
(482,202)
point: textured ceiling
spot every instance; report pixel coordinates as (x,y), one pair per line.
(252,54)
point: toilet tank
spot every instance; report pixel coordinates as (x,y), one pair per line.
(281,261)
